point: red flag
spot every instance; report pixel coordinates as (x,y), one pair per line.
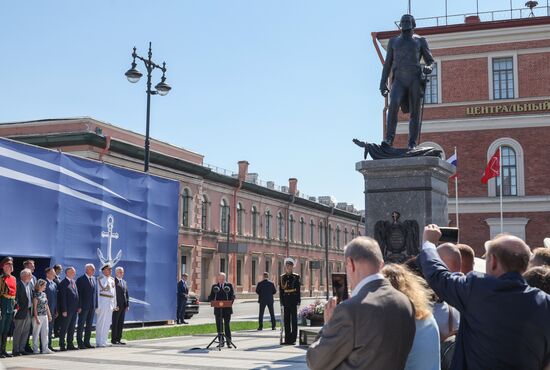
(493,167)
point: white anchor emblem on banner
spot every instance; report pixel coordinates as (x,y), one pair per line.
(110,235)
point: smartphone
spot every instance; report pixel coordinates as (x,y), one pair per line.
(449,234)
(340,286)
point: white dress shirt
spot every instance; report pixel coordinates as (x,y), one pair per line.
(365,281)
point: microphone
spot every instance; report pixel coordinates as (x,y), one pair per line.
(216,289)
(226,289)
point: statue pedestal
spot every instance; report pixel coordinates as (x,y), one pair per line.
(415,187)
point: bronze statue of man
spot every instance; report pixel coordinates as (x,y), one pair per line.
(403,60)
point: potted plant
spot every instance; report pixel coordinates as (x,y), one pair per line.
(313,313)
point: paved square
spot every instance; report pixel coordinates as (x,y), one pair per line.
(256,350)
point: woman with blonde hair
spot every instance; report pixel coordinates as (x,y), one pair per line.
(424,354)
(41,317)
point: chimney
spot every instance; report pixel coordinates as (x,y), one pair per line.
(292,185)
(243,170)
(472,19)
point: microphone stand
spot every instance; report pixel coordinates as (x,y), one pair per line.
(220,337)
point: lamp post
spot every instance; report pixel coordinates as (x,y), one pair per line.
(162,88)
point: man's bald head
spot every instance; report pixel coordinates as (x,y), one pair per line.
(507,253)
(450,255)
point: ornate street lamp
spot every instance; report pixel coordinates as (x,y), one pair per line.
(162,88)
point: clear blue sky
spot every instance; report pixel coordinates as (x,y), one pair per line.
(284,84)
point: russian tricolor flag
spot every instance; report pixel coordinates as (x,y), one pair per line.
(452,160)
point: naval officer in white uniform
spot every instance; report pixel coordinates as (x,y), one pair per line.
(106,304)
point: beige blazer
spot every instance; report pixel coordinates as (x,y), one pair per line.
(373,330)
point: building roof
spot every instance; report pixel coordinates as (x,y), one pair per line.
(469,27)
(87,135)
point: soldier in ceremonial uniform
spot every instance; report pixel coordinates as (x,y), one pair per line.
(8,285)
(289,290)
(106,304)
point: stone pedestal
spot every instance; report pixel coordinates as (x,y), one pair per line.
(415,187)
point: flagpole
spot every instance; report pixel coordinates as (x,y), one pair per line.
(456,201)
(501,187)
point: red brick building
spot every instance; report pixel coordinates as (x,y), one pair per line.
(491,88)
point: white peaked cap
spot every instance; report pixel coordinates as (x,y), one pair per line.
(290,260)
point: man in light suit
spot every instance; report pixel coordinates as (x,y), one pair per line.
(503,322)
(374,328)
(106,304)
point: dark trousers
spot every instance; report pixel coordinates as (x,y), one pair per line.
(291,323)
(85,317)
(180,313)
(57,325)
(222,322)
(66,331)
(406,81)
(7,309)
(117,325)
(271,313)
(50,333)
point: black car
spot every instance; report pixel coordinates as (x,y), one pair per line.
(192,307)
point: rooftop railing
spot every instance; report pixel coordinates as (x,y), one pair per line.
(489,16)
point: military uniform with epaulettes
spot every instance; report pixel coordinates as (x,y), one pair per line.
(289,290)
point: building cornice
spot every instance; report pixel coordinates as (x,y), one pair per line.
(538,203)
(477,124)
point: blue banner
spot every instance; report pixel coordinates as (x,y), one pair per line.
(65,209)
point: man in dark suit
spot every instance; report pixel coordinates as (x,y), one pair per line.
(23,317)
(51,294)
(503,322)
(57,279)
(183,294)
(265,291)
(86,285)
(68,307)
(123,305)
(374,328)
(223,315)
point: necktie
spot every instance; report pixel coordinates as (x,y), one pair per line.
(91,282)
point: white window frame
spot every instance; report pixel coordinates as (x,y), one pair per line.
(514,56)
(520,170)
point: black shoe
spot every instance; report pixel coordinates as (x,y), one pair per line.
(260,329)
(273,328)
(81,346)
(6,355)
(185,322)
(88,345)
(72,348)
(123,343)
(28,349)
(15,354)
(27,353)
(51,349)
(62,349)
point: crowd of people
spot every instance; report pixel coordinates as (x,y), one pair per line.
(434,312)
(41,309)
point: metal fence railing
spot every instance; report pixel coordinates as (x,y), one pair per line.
(488,16)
